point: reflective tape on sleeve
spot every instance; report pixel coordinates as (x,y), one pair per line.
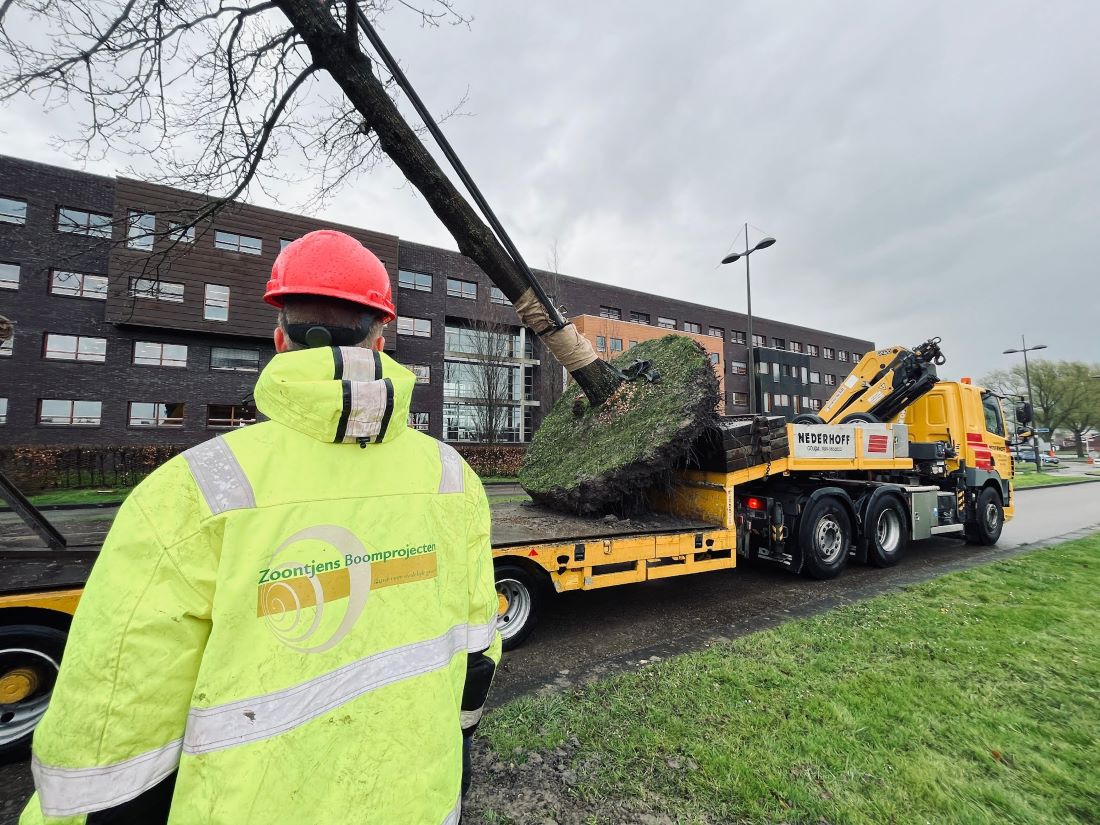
(480,636)
(73,791)
(452,480)
(455,816)
(469,718)
(219,476)
(260,717)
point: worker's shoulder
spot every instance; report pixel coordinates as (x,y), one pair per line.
(457,473)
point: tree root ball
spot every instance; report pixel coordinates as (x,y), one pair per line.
(605,460)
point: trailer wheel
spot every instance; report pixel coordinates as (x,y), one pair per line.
(825,535)
(30,656)
(859,418)
(989,518)
(885,530)
(520,595)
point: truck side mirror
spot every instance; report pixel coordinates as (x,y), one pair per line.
(1024,413)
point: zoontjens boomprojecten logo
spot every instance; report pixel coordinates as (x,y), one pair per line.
(342,569)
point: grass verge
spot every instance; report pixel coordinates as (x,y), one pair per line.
(969,699)
(83,496)
(1034,479)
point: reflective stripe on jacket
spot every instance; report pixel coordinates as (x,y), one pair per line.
(282,622)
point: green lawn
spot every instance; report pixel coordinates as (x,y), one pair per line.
(88,496)
(1030,478)
(970,699)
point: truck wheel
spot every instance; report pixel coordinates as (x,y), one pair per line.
(520,596)
(859,418)
(807,418)
(30,656)
(886,532)
(989,518)
(825,535)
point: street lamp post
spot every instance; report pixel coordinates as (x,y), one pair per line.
(1025,349)
(764,243)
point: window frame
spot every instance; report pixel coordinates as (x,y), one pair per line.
(180,233)
(233,422)
(611,313)
(209,303)
(415,284)
(3,410)
(640,318)
(7,217)
(156,293)
(72,422)
(77,340)
(665,323)
(214,348)
(693,328)
(414,422)
(419,380)
(105,231)
(414,320)
(160,360)
(142,239)
(96,296)
(457,288)
(497,296)
(739,367)
(18,276)
(158,421)
(221,243)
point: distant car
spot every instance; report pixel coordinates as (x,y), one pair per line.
(1028,454)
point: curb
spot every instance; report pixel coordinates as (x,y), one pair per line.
(1054,486)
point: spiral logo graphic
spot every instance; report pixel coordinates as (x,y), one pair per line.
(293,605)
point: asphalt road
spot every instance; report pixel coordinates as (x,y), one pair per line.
(588,635)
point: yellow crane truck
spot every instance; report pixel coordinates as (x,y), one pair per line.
(858,485)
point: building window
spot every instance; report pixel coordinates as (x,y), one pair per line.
(782,399)
(156,290)
(763,367)
(420,281)
(740,399)
(715,359)
(766,401)
(815,377)
(739,368)
(9,276)
(64,413)
(666,323)
(796,346)
(3,411)
(153,414)
(815,404)
(461,289)
(215,305)
(737,337)
(759,340)
(74,348)
(856,357)
(419,421)
(827,352)
(79,222)
(13,211)
(181,233)
(140,227)
(830,380)
(716,332)
(631,344)
(155,354)
(231,359)
(601,343)
(284,243)
(841,355)
(779,343)
(811,349)
(232,242)
(775,372)
(498,297)
(639,317)
(78,284)
(7,348)
(423,372)
(616,344)
(690,327)
(614,313)
(226,416)
(417,327)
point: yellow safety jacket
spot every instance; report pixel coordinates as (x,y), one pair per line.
(291,628)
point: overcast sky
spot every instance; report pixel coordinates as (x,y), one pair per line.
(927,168)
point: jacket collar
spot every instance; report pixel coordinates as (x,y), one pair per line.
(337,394)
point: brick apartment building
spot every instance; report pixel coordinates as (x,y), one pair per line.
(129,332)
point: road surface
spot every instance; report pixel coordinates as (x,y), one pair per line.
(588,635)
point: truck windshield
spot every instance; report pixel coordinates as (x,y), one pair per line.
(994,421)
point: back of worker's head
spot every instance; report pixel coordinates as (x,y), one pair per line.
(317,321)
(331,291)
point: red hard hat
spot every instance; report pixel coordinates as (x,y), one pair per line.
(330,263)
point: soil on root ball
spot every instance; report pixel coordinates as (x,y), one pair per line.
(607,459)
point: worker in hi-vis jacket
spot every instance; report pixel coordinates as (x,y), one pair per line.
(293,622)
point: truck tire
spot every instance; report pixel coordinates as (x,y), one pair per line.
(520,594)
(989,518)
(825,535)
(859,418)
(886,531)
(30,656)
(807,418)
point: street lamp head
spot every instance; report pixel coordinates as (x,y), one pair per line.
(733,256)
(1038,346)
(1009,351)
(763,244)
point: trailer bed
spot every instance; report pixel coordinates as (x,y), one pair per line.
(517,525)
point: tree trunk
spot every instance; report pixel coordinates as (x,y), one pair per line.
(351,69)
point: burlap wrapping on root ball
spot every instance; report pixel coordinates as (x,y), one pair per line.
(606,460)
